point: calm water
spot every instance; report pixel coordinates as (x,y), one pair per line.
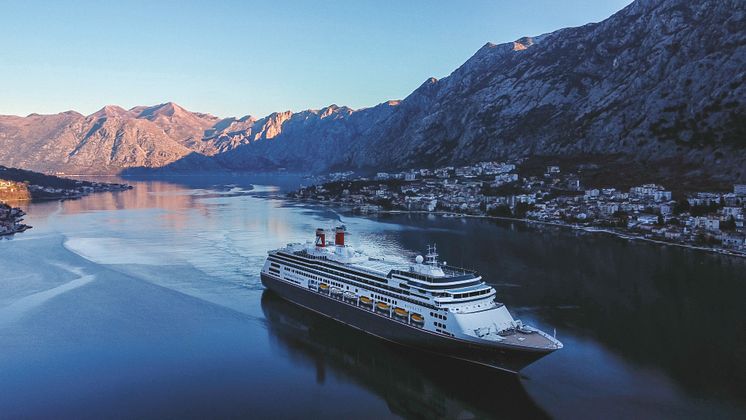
(147,303)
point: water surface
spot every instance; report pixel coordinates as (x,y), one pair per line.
(148,303)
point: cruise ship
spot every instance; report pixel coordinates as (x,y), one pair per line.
(427,305)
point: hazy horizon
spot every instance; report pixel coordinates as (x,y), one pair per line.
(236,59)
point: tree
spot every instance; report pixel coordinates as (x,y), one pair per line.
(681,206)
(729,224)
(501,211)
(521,209)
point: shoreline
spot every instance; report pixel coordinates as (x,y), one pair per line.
(76,196)
(630,236)
(12,206)
(19,230)
(622,235)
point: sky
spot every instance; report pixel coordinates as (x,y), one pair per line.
(233,58)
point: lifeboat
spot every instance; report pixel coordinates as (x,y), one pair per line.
(366,301)
(401,313)
(383,307)
(324,288)
(417,319)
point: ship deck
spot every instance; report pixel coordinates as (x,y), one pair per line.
(535,340)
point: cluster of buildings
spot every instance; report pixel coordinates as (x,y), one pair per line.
(80,189)
(11,190)
(711,219)
(16,191)
(704,218)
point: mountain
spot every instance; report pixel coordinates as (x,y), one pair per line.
(103,142)
(659,84)
(659,80)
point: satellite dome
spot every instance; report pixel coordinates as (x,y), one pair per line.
(419,259)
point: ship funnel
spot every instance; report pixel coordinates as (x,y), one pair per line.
(339,238)
(320,238)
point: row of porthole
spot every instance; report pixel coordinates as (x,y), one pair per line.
(385,299)
(437,315)
(444,332)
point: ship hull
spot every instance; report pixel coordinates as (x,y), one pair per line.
(508,359)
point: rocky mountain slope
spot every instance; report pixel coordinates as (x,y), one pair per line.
(660,83)
(103,142)
(659,80)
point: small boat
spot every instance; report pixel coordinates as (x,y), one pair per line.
(525,330)
(349,296)
(417,319)
(402,313)
(383,307)
(336,291)
(324,288)
(366,301)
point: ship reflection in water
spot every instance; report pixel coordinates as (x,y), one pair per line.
(413,384)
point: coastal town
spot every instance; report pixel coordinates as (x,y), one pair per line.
(21,185)
(711,220)
(17,186)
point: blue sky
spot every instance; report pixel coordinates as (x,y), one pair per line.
(232,58)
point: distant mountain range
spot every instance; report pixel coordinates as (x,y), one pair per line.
(660,83)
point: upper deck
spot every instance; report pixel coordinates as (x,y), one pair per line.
(426,278)
(424,273)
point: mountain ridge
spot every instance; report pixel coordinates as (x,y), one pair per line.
(660,81)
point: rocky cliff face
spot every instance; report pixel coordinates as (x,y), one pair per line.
(661,82)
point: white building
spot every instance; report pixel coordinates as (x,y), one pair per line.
(651,191)
(707,223)
(704,199)
(505,179)
(608,209)
(666,209)
(735,212)
(647,219)
(592,193)
(735,241)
